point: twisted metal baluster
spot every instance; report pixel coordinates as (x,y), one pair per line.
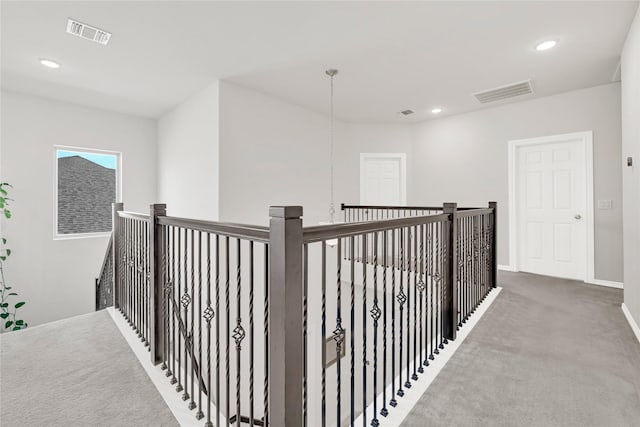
(199,414)
(227,333)
(338,333)
(375,315)
(421,290)
(352,337)
(384,411)
(192,403)
(401,300)
(208,315)
(266,336)
(179,268)
(364,328)
(393,401)
(323,404)
(407,383)
(218,330)
(238,332)
(251,336)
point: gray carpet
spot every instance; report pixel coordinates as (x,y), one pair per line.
(548,352)
(76,372)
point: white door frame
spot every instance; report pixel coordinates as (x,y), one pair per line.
(403,171)
(587,140)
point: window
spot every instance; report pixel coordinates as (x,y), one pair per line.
(87,183)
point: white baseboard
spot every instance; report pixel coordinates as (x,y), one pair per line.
(607,283)
(406,404)
(179,409)
(506,268)
(632,322)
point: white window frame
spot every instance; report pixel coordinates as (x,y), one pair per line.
(56,148)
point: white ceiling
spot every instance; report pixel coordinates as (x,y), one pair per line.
(391,55)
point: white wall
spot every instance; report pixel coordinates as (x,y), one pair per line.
(631,175)
(463,158)
(356,138)
(188,157)
(272,153)
(56,277)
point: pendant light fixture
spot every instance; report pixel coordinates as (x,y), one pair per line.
(331,73)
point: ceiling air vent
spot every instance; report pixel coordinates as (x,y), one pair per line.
(504,92)
(406,112)
(88,32)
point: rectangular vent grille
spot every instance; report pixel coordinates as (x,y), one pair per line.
(88,32)
(504,92)
(406,112)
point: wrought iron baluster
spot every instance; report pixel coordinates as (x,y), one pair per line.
(384,411)
(414,376)
(375,315)
(305,289)
(185,299)
(227,332)
(238,332)
(420,286)
(401,300)
(364,329)
(200,414)
(251,335)
(266,335)
(433,278)
(175,284)
(407,267)
(208,315)
(191,337)
(393,401)
(323,391)
(338,333)
(352,336)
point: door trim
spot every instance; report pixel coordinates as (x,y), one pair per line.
(586,138)
(403,171)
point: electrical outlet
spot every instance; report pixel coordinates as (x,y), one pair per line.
(605,204)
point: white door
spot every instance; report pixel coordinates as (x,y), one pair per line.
(551,208)
(382,179)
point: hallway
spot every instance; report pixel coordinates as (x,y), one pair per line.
(549,352)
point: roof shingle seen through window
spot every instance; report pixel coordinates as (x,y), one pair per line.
(86,191)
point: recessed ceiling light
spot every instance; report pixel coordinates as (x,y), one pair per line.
(436,110)
(49,63)
(546,45)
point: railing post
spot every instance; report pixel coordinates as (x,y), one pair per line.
(494,243)
(286,360)
(115,225)
(451,258)
(156,287)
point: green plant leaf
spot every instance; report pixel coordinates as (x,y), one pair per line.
(4,304)
(4,315)
(8,252)
(8,324)
(8,288)
(19,304)
(4,241)
(3,258)
(16,328)
(7,214)
(12,293)
(19,322)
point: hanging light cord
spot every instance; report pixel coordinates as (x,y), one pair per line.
(331,73)
(332,210)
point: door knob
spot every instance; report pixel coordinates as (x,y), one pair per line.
(578,216)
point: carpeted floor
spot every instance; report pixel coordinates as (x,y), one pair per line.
(549,352)
(76,372)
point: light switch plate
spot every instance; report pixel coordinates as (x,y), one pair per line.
(605,204)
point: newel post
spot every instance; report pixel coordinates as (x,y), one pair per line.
(451,272)
(286,359)
(156,285)
(494,244)
(115,248)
